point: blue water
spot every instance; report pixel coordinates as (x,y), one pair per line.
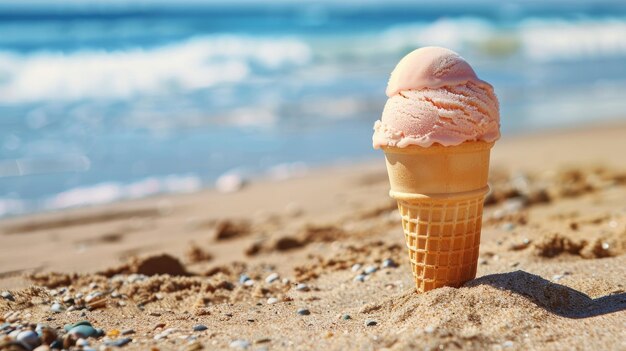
(103,101)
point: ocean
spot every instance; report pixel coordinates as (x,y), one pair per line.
(109,100)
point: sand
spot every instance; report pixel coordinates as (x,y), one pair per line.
(551,275)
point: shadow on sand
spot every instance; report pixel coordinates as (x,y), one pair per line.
(555,298)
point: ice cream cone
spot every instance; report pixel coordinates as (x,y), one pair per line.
(440,192)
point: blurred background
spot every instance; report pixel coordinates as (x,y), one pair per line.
(109,100)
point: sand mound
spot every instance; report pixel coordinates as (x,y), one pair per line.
(307,235)
(481,312)
(151,265)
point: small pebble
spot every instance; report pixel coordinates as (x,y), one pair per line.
(164,334)
(128,331)
(345,317)
(7,296)
(359,278)
(272,300)
(118,342)
(507,344)
(240,344)
(249,282)
(302,287)
(69,327)
(429,329)
(605,246)
(114,333)
(356,267)
(84,331)
(508,226)
(56,344)
(370,269)
(513,205)
(200,327)
(68,299)
(370,323)
(303,312)
(82,342)
(271,278)
(56,307)
(389,263)
(28,337)
(133,278)
(243,278)
(193,345)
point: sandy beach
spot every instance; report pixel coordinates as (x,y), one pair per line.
(319,262)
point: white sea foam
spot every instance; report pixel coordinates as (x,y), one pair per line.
(541,40)
(194,64)
(446,32)
(11,206)
(108,192)
(550,40)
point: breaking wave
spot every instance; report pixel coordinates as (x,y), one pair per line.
(122,74)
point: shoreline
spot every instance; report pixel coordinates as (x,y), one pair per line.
(610,128)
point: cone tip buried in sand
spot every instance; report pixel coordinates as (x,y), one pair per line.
(436,97)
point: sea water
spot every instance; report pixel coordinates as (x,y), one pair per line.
(109,100)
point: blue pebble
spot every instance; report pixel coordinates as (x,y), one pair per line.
(389,263)
(370,269)
(243,278)
(200,327)
(7,295)
(56,344)
(303,312)
(69,327)
(84,331)
(370,323)
(359,278)
(29,338)
(56,307)
(118,342)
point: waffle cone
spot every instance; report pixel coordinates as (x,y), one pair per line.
(440,192)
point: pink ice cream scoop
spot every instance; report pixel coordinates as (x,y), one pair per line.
(436,97)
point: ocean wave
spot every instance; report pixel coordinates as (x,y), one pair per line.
(447,32)
(102,193)
(539,40)
(193,64)
(555,40)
